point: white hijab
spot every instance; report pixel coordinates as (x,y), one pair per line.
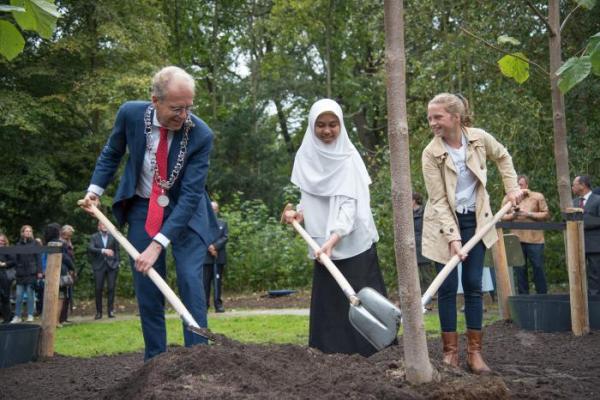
(334,169)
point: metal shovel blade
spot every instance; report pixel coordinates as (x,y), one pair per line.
(375,318)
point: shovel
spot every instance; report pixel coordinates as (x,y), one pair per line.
(371,314)
(187,318)
(443,274)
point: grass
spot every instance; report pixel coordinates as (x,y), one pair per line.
(91,339)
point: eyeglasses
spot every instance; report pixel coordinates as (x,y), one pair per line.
(178,110)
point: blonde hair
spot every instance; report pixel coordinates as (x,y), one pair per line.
(25,227)
(455,104)
(67,229)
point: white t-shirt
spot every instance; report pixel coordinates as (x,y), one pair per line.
(466,182)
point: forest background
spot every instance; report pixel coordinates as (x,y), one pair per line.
(259,65)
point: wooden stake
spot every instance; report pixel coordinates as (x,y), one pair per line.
(502,275)
(580,322)
(50,310)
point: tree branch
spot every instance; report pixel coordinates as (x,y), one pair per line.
(542,17)
(569,16)
(490,45)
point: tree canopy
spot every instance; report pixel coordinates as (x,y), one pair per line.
(259,65)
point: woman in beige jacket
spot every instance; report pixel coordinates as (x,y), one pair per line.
(455,172)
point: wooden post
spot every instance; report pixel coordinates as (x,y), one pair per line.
(580,322)
(50,310)
(502,276)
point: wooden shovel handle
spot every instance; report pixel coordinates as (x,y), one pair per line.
(171,297)
(443,274)
(325,260)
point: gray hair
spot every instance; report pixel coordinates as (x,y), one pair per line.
(167,75)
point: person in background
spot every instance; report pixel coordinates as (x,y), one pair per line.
(29,269)
(52,233)
(533,208)
(590,203)
(455,172)
(7,265)
(336,211)
(66,235)
(103,252)
(214,263)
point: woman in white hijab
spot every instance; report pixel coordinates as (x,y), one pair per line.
(335,208)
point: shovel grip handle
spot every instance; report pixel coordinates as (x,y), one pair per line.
(171,297)
(443,274)
(333,270)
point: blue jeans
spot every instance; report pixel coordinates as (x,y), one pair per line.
(472,270)
(533,253)
(30,299)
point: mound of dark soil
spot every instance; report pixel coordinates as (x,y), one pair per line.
(527,366)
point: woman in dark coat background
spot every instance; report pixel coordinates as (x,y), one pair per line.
(29,269)
(7,264)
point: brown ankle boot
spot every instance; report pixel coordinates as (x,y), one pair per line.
(474,359)
(450,341)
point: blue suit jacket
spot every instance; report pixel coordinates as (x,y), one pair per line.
(190,204)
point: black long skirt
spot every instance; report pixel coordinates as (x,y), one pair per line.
(330,329)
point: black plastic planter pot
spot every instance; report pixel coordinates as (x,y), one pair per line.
(18,343)
(549,312)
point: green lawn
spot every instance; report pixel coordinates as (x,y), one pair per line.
(119,336)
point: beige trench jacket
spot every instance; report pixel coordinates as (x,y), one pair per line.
(440,224)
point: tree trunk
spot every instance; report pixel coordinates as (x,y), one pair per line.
(285,132)
(561,152)
(416,356)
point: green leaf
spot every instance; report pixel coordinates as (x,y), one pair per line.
(572,72)
(503,39)
(515,66)
(5,8)
(594,40)
(39,16)
(26,19)
(11,40)
(595,59)
(587,4)
(46,14)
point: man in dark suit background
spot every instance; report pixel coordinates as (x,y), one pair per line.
(582,188)
(214,263)
(103,252)
(162,197)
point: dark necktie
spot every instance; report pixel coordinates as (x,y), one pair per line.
(581,201)
(155,212)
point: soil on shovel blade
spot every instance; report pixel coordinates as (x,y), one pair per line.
(527,365)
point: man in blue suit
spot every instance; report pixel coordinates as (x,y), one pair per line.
(162,197)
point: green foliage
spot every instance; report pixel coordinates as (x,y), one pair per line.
(587,4)
(576,69)
(31,15)
(515,66)
(573,71)
(11,40)
(262,253)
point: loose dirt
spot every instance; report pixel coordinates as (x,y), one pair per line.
(527,365)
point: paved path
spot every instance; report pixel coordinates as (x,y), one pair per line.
(211,315)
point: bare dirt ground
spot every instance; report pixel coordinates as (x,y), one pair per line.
(527,365)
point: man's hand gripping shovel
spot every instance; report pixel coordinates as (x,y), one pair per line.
(187,318)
